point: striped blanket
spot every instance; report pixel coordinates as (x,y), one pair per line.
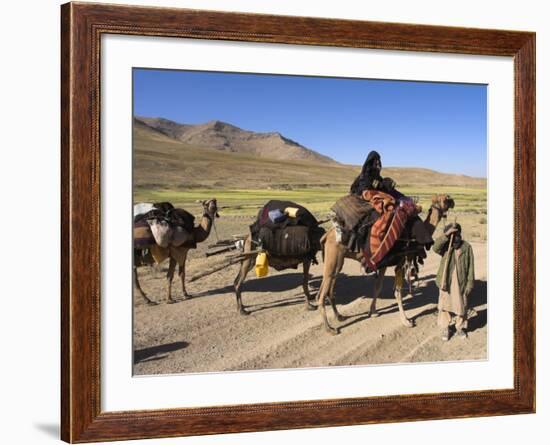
(388,228)
(379,245)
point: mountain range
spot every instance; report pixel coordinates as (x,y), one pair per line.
(222,136)
(168,155)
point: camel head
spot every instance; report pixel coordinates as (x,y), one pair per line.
(442,203)
(210,207)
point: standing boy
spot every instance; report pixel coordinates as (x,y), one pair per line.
(455,280)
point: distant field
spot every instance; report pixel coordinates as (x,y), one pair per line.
(167,170)
(470,209)
(318,200)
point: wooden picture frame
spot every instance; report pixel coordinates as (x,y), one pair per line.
(81,414)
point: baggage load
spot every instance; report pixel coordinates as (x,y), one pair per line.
(181,218)
(289,241)
(142,208)
(277,216)
(303,216)
(350,210)
(147,210)
(143,236)
(296,232)
(162,232)
(292,212)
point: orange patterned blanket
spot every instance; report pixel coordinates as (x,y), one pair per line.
(387,229)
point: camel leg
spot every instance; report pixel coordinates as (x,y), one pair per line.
(378,284)
(399,291)
(145,297)
(246,266)
(170,277)
(332,261)
(309,306)
(186,295)
(321,303)
(332,298)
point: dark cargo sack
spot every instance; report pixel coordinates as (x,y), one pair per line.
(350,210)
(143,237)
(181,218)
(151,214)
(289,241)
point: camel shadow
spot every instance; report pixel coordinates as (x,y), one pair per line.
(291,301)
(159,352)
(349,288)
(271,283)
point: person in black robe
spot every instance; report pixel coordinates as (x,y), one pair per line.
(370,178)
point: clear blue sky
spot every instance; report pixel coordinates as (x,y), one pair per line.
(442,126)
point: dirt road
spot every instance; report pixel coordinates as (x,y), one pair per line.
(206,333)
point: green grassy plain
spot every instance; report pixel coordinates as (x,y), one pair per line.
(168,170)
(318,200)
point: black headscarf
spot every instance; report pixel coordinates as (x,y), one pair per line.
(372,165)
(369,178)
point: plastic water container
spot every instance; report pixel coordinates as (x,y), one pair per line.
(262,266)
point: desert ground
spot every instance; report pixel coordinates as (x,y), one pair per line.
(206,333)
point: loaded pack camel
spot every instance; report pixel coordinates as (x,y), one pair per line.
(280,262)
(178,255)
(276,261)
(335,254)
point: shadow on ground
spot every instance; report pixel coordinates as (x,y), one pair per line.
(426,295)
(350,288)
(157,352)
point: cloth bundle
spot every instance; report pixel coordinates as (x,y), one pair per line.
(162,224)
(143,237)
(162,232)
(350,210)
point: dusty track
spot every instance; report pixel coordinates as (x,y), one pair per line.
(206,333)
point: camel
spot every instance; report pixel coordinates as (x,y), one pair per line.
(178,255)
(335,253)
(278,262)
(274,261)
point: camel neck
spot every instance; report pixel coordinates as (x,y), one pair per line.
(202,231)
(432,219)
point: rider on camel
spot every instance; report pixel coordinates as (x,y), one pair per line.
(385,199)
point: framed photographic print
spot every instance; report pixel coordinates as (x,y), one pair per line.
(274,222)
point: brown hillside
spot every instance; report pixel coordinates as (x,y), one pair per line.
(161,162)
(222,136)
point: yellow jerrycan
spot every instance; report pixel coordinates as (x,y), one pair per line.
(262,266)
